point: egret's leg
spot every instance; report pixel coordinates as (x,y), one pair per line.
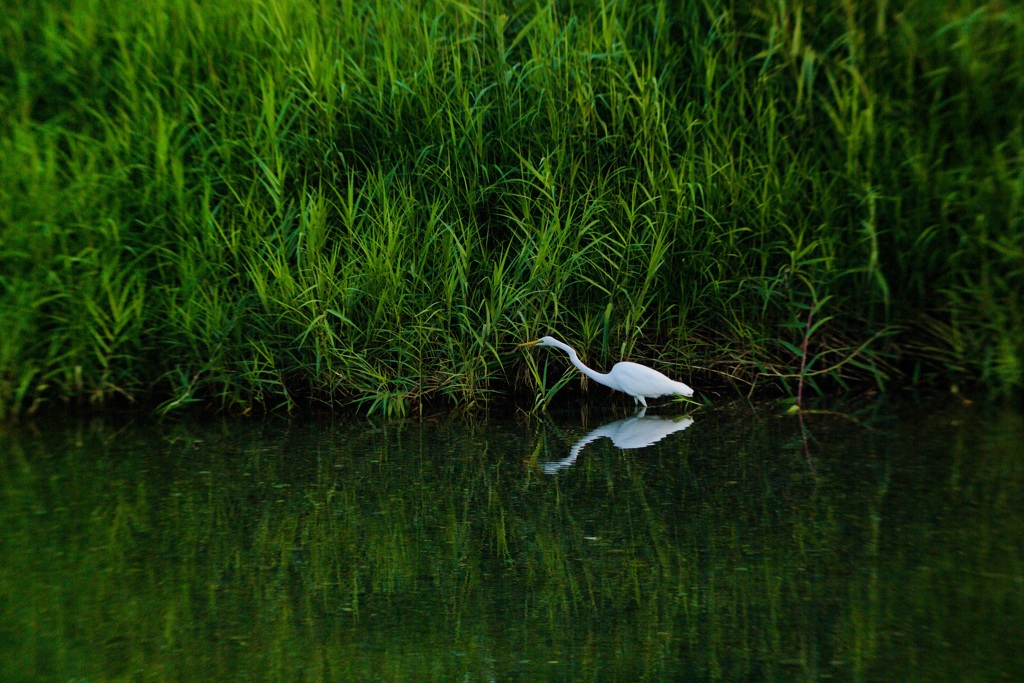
(644,402)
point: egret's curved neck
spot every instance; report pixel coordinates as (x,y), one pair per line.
(592,374)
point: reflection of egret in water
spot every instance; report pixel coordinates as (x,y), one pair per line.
(633,432)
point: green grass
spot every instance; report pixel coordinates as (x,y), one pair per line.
(260,204)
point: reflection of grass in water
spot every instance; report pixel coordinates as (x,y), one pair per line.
(428,551)
(976,564)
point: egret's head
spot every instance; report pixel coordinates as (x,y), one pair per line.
(543,341)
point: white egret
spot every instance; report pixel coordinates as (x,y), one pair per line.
(639,381)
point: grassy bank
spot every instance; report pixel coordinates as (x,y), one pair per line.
(254,203)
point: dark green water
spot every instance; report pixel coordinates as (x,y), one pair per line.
(742,546)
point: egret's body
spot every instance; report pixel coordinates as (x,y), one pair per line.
(639,381)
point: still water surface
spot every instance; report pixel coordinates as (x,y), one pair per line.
(591,544)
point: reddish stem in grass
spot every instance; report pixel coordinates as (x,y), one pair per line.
(803,361)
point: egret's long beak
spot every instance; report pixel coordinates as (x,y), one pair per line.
(529,343)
